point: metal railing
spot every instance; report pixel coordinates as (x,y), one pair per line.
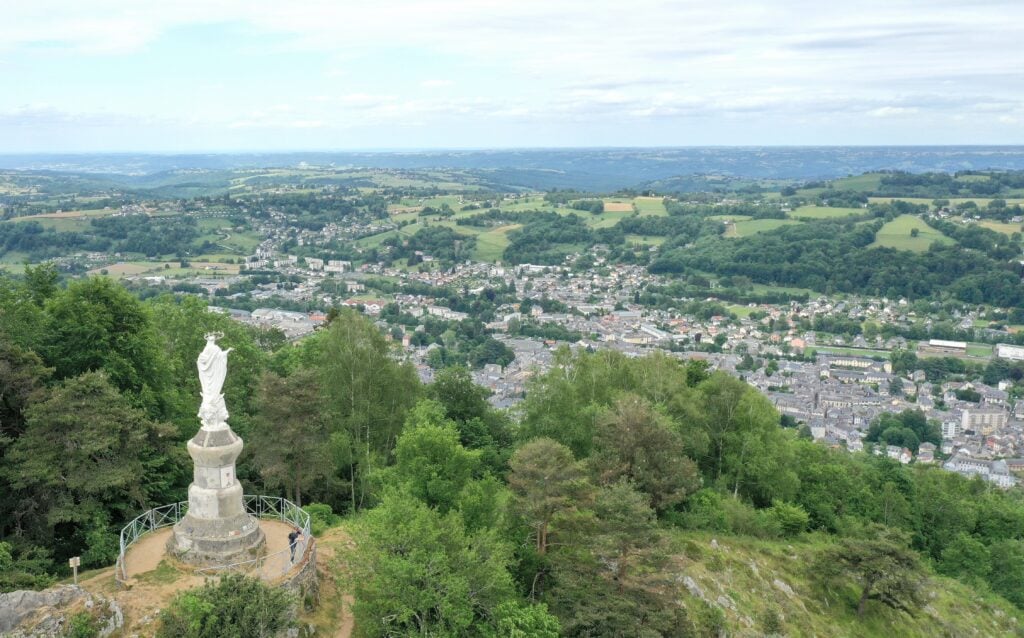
(144,523)
(262,507)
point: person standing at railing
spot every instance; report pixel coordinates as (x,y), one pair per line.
(293,540)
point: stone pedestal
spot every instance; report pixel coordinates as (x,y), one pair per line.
(216,530)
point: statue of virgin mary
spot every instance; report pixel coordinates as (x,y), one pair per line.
(213,367)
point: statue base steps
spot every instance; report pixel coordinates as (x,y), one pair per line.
(221,541)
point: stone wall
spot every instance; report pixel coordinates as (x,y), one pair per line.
(303,582)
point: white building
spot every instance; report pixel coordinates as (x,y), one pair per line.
(1006,351)
(993,471)
(984,420)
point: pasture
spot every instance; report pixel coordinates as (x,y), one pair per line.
(1000,227)
(953,201)
(650,206)
(896,234)
(491,244)
(866,182)
(749,227)
(823,212)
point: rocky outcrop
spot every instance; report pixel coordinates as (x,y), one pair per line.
(42,614)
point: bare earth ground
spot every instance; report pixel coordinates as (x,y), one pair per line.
(618,207)
(154,579)
(334,615)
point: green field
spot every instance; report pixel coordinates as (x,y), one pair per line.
(980,201)
(647,240)
(896,234)
(750,227)
(824,212)
(741,311)
(1000,227)
(491,245)
(650,206)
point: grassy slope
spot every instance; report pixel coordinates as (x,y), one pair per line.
(749,227)
(746,579)
(866,182)
(824,212)
(746,570)
(896,234)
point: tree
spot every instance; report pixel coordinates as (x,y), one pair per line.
(515,620)
(290,441)
(546,481)
(430,463)
(96,324)
(85,453)
(625,524)
(748,453)
(480,426)
(967,558)
(368,395)
(1007,570)
(233,606)
(606,584)
(418,572)
(22,374)
(882,569)
(634,442)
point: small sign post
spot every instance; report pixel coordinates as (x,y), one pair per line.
(74,562)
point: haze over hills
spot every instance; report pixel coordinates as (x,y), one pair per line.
(597,169)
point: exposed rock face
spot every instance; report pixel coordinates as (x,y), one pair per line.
(46,613)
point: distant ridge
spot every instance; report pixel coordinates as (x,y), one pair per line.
(594,168)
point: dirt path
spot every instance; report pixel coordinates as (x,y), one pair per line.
(155,581)
(336,604)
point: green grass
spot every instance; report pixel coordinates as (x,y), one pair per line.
(866,182)
(1000,227)
(650,206)
(741,311)
(747,570)
(164,574)
(982,350)
(853,352)
(604,220)
(980,201)
(896,234)
(750,227)
(824,212)
(491,245)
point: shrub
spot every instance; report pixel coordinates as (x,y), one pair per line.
(82,625)
(792,518)
(322,517)
(233,607)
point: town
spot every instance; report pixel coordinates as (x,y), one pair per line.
(833,386)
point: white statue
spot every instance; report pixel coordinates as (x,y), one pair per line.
(213,367)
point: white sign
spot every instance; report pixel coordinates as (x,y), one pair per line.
(75,561)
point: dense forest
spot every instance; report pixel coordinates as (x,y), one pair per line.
(837,256)
(556,520)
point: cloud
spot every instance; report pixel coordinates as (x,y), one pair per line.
(602,62)
(894,111)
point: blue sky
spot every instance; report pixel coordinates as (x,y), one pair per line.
(224,75)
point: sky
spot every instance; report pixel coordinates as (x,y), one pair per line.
(275,75)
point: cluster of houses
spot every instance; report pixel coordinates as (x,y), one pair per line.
(837,393)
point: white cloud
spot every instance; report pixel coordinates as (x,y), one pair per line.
(894,111)
(604,61)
